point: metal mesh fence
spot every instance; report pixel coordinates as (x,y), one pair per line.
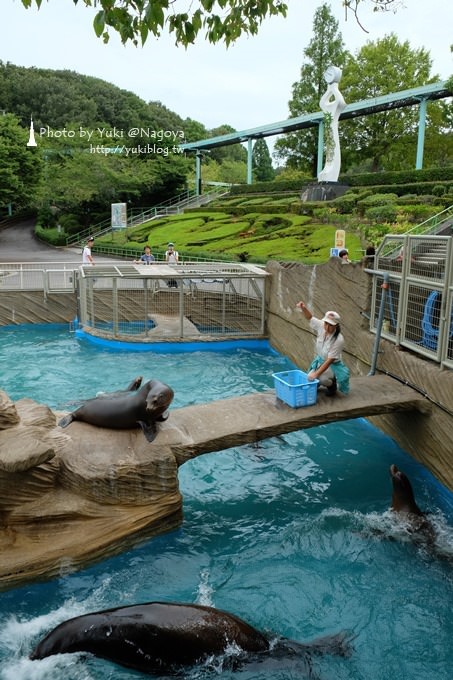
(417,302)
(162,302)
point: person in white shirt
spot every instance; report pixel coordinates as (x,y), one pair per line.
(171,255)
(327,366)
(87,257)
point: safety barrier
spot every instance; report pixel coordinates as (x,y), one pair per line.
(418,300)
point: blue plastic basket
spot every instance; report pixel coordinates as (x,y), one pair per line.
(294,388)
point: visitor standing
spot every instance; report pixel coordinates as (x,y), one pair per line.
(171,255)
(147,257)
(87,257)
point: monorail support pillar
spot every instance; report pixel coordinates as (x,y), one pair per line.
(421,133)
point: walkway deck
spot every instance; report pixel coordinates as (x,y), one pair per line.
(194,430)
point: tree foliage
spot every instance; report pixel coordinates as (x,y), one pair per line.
(299,149)
(62,97)
(262,162)
(19,165)
(385,140)
(219,20)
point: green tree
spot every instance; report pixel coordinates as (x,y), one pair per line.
(299,149)
(194,130)
(98,179)
(231,152)
(385,140)
(262,162)
(20,166)
(230,171)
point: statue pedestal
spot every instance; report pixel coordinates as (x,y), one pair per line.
(323,191)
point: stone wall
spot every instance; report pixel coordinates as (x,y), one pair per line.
(347,290)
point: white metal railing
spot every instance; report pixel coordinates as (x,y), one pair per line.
(418,302)
(50,277)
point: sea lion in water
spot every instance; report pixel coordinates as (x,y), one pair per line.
(403,502)
(403,499)
(165,637)
(124,410)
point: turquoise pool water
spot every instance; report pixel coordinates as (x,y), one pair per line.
(293,535)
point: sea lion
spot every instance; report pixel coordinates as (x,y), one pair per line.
(403,499)
(165,637)
(124,410)
(403,502)
(421,527)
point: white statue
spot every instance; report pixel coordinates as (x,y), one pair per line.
(332,104)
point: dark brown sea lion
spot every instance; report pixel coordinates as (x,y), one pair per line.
(403,502)
(403,499)
(124,410)
(165,637)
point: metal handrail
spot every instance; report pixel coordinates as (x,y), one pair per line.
(431,225)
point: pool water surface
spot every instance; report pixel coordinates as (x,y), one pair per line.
(293,535)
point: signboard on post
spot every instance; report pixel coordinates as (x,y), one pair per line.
(119,215)
(340,239)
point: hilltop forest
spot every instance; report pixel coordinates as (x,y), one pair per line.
(97,144)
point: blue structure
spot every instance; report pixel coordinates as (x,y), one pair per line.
(430,321)
(417,96)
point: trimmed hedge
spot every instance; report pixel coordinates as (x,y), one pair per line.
(394,179)
(399,177)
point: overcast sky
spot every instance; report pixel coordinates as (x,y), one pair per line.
(247,85)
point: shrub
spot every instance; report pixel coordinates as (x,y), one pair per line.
(324,214)
(399,177)
(415,213)
(51,235)
(377,199)
(382,213)
(345,204)
(439,189)
(70,223)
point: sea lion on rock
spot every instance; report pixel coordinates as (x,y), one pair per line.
(124,410)
(165,637)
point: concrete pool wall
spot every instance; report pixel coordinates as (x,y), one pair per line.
(347,290)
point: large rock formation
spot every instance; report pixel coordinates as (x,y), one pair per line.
(70,499)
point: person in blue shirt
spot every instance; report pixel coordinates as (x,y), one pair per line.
(147,257)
